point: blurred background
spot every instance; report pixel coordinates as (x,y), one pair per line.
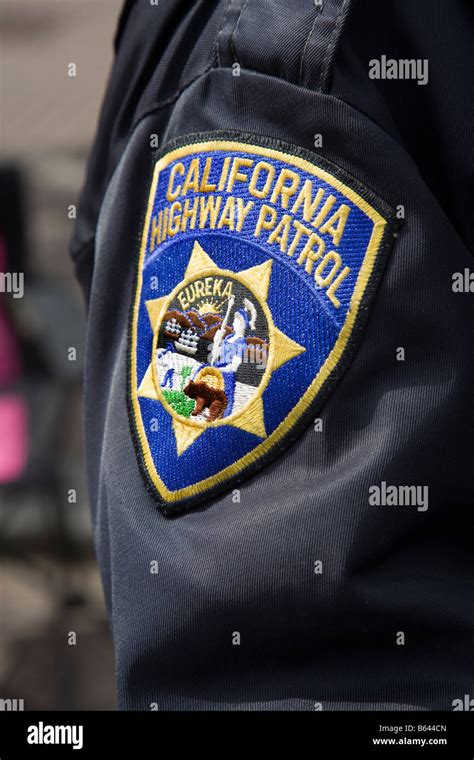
(55,646)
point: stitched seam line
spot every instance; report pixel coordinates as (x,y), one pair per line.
(217,54)
(303,52)
(172,99)
(255,72)
(329,56)
(232,36)
(189,82)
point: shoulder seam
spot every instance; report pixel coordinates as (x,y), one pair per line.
(332,46)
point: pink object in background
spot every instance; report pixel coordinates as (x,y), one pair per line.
(13,437)
(13,412)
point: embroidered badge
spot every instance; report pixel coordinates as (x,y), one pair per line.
(256,268)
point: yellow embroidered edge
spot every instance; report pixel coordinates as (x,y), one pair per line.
(333,358)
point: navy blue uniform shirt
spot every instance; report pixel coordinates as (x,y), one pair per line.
(275,244)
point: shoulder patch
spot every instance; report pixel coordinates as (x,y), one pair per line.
(257,266)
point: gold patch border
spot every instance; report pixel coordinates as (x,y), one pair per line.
(334,356)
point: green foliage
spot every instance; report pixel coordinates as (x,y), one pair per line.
(181,403)
(185,372)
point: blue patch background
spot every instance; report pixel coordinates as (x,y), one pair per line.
(300,309)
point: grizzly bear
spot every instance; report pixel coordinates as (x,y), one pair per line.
(206,397)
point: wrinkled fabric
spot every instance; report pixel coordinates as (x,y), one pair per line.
(306,638)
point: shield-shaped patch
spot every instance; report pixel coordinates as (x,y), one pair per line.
(257,266)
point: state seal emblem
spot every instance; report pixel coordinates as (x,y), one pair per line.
(257,264)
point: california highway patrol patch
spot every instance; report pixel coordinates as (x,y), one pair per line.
(257,266)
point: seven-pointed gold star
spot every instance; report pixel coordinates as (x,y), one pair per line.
(281,350)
